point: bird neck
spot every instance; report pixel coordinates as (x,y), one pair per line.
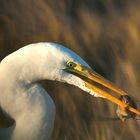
(24,100)
(30,64)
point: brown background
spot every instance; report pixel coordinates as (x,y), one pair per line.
(106,33)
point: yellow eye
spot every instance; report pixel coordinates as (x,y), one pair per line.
(71,64)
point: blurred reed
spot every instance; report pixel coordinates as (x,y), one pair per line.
(105,33)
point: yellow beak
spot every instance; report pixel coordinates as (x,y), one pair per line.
(89,76)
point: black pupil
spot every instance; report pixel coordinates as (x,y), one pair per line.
(70,65)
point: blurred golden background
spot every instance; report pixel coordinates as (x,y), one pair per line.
(106,33)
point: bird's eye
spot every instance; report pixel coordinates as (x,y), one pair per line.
(70,64)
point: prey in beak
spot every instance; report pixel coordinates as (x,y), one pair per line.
(125,114)
(89,76)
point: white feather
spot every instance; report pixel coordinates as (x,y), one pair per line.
(28,103)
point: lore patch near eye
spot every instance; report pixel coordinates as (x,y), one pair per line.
(75,66)
(78,67)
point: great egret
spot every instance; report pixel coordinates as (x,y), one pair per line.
(27,112)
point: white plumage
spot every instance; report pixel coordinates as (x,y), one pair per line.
(23,98)
(26,110)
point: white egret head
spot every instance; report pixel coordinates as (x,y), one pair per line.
(52,61)
(23,98)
